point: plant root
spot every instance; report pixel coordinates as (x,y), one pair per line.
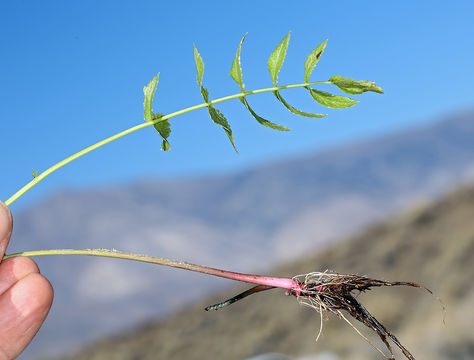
(327,292)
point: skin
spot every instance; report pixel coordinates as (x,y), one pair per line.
(25,296)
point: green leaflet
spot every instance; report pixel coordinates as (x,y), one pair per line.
(275,62)
(236,68)
(199,66)
(277,57)
(205,94)
(220,119)
(164,129)
(296,111)
(313,59)
(355,87)
(263,121)
(149,92)
(216,116)
(236,74)
(330,100)
(35,174)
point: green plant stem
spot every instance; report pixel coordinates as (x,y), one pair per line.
(105,253)
(271,281)
(88,149)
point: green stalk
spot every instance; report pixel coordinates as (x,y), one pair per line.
(271,281)
(88,149)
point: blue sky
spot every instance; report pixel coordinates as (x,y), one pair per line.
(72,73)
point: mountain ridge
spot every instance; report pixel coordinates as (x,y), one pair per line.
(410,247)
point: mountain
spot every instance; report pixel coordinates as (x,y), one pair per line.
(247,221)
(433,246)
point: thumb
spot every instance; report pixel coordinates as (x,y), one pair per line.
(6,226)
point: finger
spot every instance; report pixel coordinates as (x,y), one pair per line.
(24,307)
(6,225)
(14,269)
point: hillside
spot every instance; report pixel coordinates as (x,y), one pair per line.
(246,221)
(433,246)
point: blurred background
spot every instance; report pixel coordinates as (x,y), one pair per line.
(384,188)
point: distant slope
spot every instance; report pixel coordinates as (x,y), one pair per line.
(433,246)
(248,220)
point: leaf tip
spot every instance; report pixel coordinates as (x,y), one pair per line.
(165,145)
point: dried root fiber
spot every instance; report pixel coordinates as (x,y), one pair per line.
(326,292)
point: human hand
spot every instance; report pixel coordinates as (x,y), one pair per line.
(25,296)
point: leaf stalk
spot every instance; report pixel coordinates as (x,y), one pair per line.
(101,143)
